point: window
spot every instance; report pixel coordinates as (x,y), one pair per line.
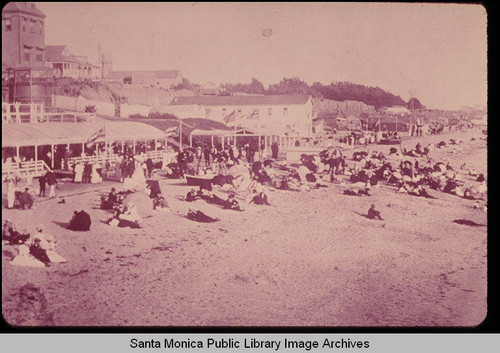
(270,111)
(285,111)
(39,54)
(26,53)
(32,25)
(24,24)
(8,24)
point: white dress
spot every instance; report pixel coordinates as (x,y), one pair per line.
(95,178)
(78,173)
(11,194)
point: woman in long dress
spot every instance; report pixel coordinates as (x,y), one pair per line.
(78,172)
(11,193)
(95,177)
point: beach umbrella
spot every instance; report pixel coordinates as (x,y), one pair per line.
(142,202)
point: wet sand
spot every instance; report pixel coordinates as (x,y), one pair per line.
(310,259)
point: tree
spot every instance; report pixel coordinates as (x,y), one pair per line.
(186,84)
(414,103)
(254,87)
(289,86)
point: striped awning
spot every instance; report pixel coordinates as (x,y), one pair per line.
(14,135)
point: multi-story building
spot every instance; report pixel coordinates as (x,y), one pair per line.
(23,37)
(24,75)
(284,114)
(65,64)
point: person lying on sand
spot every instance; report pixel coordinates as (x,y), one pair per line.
(199,216)
(360,192)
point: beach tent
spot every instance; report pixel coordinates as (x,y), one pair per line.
(53,134)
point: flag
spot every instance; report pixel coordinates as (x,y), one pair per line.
(172,131)
(98,136)
(230,117)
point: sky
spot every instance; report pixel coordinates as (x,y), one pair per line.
(434,52)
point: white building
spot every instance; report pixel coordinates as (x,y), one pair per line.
(271,114)
(397,110)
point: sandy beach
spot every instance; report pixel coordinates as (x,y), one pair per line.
(309,259)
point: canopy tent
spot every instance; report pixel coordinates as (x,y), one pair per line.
(214,132)
(19,135)
(218,132)
(266,138)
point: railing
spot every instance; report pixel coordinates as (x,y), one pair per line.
(17,113)
(101,159)
(23,169)
(112,158)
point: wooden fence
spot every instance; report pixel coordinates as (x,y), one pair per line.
(23,169)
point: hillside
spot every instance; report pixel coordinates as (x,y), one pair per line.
(336,91)
(113,92)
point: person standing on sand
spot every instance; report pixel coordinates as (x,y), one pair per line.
(275,149)
(52,181)
(42,181)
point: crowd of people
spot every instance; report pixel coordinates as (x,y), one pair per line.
(240,176)
(37,249)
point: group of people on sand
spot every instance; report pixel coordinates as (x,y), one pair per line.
(415,175)
(242,182)
(125,209)
(36,249)
(21,193)
(85,172)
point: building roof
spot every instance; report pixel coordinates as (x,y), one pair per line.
(327,116)
(54,53)
(154,74)
(393,120)
(24,7)
(63,133)
(240,100)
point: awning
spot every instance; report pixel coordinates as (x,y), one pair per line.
(63,133)
(214,132)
